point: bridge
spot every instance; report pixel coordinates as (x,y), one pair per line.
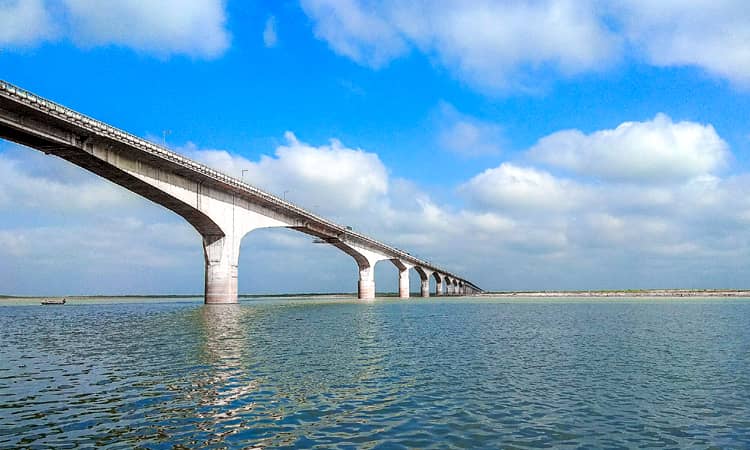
(221,208)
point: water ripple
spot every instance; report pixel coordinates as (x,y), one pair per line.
(442,373)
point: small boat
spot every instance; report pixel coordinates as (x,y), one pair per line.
(53,301)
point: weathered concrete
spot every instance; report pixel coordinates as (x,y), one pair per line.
(221,208)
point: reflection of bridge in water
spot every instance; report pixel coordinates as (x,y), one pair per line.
(222,209)
(225,348)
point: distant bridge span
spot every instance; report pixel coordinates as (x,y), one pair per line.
(223,209)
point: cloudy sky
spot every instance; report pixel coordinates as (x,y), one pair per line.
(527,144)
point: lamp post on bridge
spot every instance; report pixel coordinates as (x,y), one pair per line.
(164,135)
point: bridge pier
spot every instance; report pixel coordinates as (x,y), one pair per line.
(366,285)
(403,283)
(221,270)
(424,278)
(366,260)
(233,218)
(439,285)
(403,277)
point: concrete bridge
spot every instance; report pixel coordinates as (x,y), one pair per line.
(223,209)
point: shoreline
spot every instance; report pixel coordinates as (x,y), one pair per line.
(663,293)
(667,293)
(168,296)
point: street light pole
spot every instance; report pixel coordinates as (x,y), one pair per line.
(164,134)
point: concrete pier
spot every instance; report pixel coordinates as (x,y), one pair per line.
(403,277)
(366,286)
(439,284)
(403,283)
(221,272)
(424,281)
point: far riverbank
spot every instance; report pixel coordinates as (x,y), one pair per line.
(632,293)
(626,293)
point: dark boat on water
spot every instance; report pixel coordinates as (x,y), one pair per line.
(53,301)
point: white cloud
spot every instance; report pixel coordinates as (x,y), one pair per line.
(712,35)
(94,254)
(467,136)
(64,230)
(489,44)
(501,45)
(32,180)
(270,39)
(194,27)
(190,27)
(522,189)
(325,178)
(654,151)
(24,23)
(356,30)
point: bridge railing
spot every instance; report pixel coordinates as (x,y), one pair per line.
(98,126)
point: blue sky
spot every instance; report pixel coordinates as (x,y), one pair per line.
(536,144)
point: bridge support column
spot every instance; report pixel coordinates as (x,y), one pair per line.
(403,277)
(221,257)
(439,285)
(403,283)
(366,286)
(424,277)
(425,288)
(366,260)
(222,251)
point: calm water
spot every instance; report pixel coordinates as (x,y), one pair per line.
(391,374)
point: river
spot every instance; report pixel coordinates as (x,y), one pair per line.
(339,373)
